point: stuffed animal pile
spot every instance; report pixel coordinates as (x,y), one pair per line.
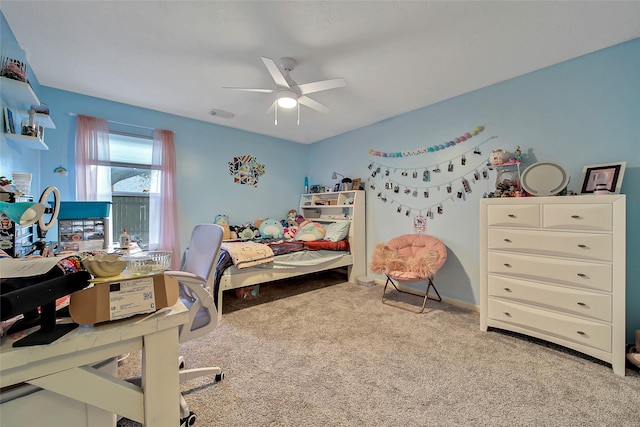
(294,227)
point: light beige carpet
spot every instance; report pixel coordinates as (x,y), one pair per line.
(336,356)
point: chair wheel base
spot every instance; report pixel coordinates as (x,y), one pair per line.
(220,377)
(188,421)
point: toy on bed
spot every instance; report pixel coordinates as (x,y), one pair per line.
(291,218)
(223,221)
(310,231)
(271,229)
(290,232)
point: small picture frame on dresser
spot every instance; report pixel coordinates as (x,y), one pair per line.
(355,184)
(606,175)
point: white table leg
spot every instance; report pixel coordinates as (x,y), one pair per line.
(160,379)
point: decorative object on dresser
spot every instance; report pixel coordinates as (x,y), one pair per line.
(603,179)
(554,268)
(545,179)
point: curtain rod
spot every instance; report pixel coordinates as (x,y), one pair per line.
(124,124)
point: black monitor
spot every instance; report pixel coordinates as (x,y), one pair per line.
(25,295)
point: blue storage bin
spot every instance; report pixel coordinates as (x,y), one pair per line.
(84,210)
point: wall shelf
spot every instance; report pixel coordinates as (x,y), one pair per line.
(20,93)
(20,96)
(26,141)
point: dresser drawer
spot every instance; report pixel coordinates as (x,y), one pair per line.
(578,216)
(514,215)
(588,275)
(582,331)
(582,303)
(577,245)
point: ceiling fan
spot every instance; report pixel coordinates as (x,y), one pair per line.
(290,94)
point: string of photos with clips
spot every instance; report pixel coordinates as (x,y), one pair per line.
(423,190)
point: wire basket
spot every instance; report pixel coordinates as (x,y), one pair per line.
(149,262)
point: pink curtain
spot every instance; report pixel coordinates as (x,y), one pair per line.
(92,148)
(163,209)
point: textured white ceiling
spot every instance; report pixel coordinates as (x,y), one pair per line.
(177,56)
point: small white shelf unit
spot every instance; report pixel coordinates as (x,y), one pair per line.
(20,96)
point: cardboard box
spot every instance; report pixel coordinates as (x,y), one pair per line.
(118,299)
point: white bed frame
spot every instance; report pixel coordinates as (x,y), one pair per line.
(323,208)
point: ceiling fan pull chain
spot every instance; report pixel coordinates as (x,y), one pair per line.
(298,114)
(276,109)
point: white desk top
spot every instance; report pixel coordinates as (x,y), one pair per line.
(124,334)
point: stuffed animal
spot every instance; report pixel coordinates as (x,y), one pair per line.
(271,229)
(291,218)
(310,231)
(290,232)
(299,219)
(223,222)
(247,232)
(499,156)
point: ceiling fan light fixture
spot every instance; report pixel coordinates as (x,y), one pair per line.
(287,99)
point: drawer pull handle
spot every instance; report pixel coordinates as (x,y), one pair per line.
(511,216)
(507,290)
(582,275)
(582,333)
(507,265)
(506,313)
(582,246)
(575,216)
(582,304)
(507,240)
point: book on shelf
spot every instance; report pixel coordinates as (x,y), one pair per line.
(9,125)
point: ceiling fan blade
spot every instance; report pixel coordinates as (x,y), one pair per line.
(246,89)
(275,72)
(308,88)
(305,100)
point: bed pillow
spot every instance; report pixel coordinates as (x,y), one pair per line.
(336,231)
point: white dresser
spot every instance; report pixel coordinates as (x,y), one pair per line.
(554,268)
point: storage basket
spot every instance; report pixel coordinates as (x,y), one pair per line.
(151,262)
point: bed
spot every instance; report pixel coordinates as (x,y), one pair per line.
(293,258)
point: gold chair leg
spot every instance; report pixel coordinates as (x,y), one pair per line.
(424,302)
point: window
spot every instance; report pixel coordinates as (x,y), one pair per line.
(144,171)
(132,178)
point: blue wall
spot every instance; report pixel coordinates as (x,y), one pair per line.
(14,158)
(204,185)
(580,112)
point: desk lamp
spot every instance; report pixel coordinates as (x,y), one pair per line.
(23,213)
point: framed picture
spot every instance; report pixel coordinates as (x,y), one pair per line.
(610,174)
(315,188)
(336,187)
(355,184)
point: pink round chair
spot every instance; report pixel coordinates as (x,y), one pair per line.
(409,258)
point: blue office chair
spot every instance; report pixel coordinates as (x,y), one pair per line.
(196,279)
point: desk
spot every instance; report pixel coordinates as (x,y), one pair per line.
(65,366)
